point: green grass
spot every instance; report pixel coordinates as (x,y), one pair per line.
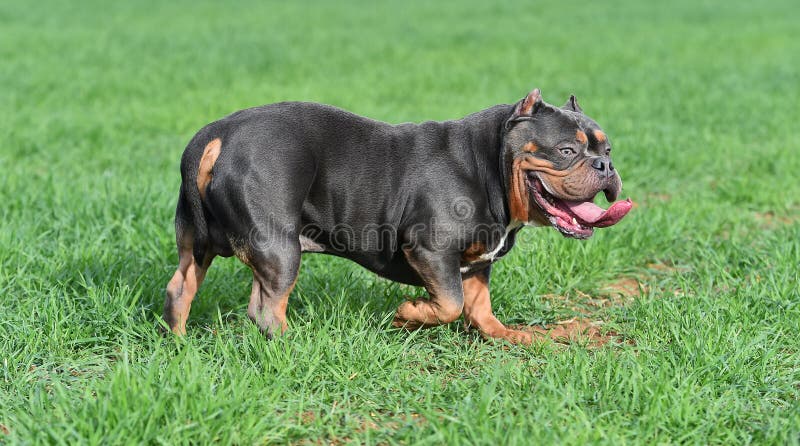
(700,99)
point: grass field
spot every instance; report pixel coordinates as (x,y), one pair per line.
(700,281)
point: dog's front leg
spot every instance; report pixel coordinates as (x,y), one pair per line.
(478,310)
(442,279)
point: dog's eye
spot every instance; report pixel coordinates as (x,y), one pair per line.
(608,152)
(567,151)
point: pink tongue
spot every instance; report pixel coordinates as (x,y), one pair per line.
(596,216)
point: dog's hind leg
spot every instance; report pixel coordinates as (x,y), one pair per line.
(275,268)
(256,198)
(183,286)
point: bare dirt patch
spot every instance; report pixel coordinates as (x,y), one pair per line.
(580,331)
(623,290)
(587,327)
(620,292)
(588,311)
(772,220)
(663,267)
(376,421)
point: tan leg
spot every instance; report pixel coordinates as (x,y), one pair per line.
(478,311)
(425,313)
(274,276)
(182,288)
(441,279)
(267,308)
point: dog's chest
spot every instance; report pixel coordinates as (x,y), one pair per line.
(498,251)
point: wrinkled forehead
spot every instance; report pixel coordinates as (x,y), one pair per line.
(564,125)
(587,126)
(584,122)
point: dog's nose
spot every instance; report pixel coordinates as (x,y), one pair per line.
(599,164)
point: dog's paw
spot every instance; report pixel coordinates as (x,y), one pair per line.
(516,337)
(402,318)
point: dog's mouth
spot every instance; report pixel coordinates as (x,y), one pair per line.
(576,219)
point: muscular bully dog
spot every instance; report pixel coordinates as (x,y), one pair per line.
(431,204)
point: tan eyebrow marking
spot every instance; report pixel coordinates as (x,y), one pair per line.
(601,137)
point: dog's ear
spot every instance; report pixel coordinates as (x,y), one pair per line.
(526,107)
(529,105)
(572,104)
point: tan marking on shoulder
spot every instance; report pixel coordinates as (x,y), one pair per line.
(473,252)
(581,137)
(601,137)
(210,155)
(530,147)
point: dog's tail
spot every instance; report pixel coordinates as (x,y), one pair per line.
(196,164)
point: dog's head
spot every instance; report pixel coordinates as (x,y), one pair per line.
(559,160)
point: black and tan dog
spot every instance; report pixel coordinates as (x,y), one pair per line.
(431,204)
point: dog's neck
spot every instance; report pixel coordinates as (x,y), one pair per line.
(486,130)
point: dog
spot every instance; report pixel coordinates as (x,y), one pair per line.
(432,204)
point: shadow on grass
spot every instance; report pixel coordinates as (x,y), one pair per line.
(326,287)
